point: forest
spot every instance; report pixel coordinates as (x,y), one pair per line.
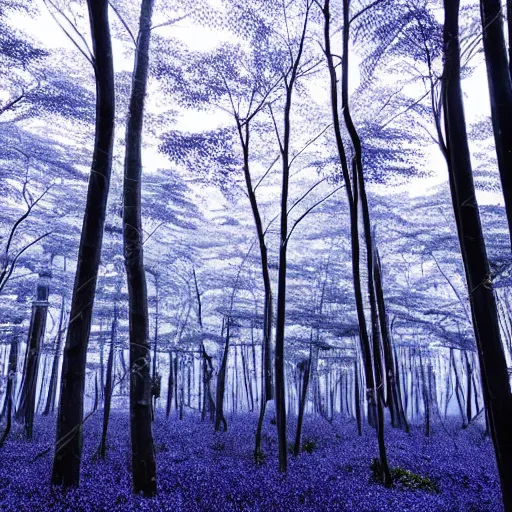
(256,255)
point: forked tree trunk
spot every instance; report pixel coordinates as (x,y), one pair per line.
(493,364)
(352,195)
(143,450)
(375,393)
(68,448)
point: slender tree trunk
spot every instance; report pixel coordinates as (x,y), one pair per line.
(170,386)
(207,376)
(107,394)
(493,365)
(243,131)
(52,387)
(176,382)
(357,398)
(248,389)
(426,398)
(221,383)
(305,368)
(102,362)
(500,93)
(143,450)
(281,279)
(68,453)
(154,376)
(469,373)
(43,385)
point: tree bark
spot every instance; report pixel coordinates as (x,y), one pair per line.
(26,407)
(143,450)
(495,379)
(68,453)
(500,93)
(221,381)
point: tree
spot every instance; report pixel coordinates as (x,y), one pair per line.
(143,450)
(495,379)
(68,450)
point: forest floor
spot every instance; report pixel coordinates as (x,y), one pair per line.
(199,470)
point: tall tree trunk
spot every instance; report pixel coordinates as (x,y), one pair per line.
(267,385)
(243,132)
(495,379)
(352,195)
(500,93)
(279,397)
(52,387)
(68,453)
(26,408)
(374,393)
(143,450)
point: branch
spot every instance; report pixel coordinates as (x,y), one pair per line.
(310,209)
(305,195)
(4,277)
(276,129)
(362,11)
(266,172)
(153,232)
(311,141)
(88,55)
(405,110)
(169,22)
(20,220)
(10,104)
(125,25)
